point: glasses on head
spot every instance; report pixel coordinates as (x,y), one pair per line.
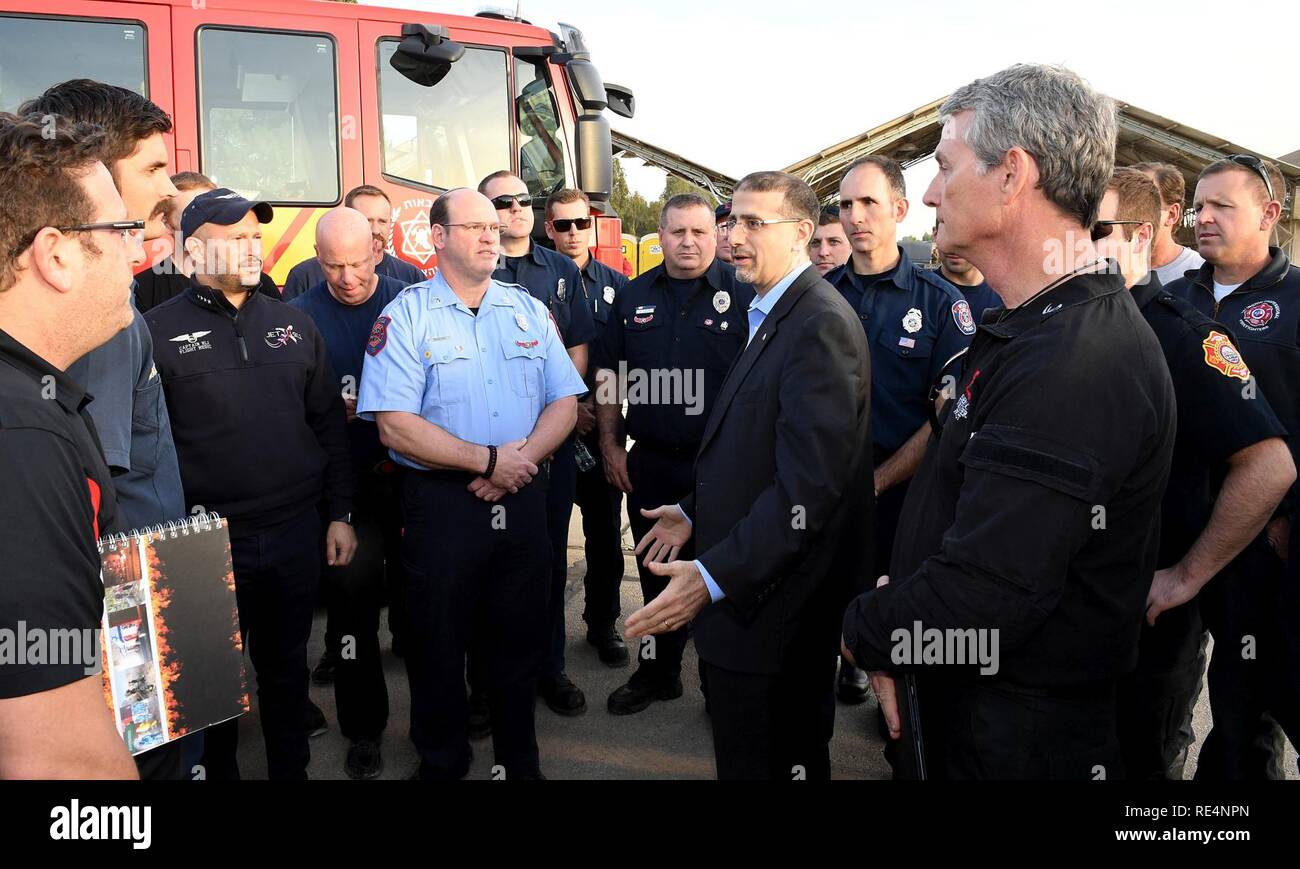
(753,224)
(1257,166)
(564,224)
(1103,228)
(132,231)
(479,228)
(503,203)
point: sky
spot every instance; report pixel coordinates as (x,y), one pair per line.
(760,84)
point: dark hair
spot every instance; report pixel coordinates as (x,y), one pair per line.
(364,190)
(892,168)
(42,160)
(798,199)
(126,118)
(500,173)
(1139,198)
(683,200)
(1274,175)
(829,215)
(192,181)
(564,197)
(1169,181)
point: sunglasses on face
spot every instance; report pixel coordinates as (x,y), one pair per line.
(1103,228)
(564,224)
(503,203)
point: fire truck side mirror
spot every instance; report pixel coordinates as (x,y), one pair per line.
(621,100)
(425,54)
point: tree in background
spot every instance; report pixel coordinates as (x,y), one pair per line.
(641,217)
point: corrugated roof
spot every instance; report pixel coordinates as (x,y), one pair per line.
(1143,135)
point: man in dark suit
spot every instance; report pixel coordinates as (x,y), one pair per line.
(782,543)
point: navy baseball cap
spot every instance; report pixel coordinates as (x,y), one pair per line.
(222,206)
(722,211)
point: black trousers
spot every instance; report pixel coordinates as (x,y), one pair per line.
(889,507)
(477,576)
(277,577)
(559,509)
(1154,703)
(1252,611)
(602,524)
(658,477)
(772,727)
(979,728)
(355,595)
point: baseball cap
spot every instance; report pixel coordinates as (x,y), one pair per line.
(222,206)
(722,211)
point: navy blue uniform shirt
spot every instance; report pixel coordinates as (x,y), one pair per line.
(346,329)
(554,280)
(687,347)
(915,321)
(1264,314)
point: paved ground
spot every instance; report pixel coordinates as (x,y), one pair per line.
(668,740)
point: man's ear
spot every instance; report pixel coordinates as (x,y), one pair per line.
(50,255)
(901,207)
(195,249)
(1173,214)
(1019,173)
(1145,235)
(1272,213)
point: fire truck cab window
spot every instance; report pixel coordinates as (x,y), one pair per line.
(541,149)
(451,134)
(268,114)
(38,52)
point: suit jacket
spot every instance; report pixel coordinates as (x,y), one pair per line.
(783,498)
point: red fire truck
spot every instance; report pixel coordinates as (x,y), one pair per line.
(297,101)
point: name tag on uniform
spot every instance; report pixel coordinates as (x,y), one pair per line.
(644,314)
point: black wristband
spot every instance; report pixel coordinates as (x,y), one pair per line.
(492,463)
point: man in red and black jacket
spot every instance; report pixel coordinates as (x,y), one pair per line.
(242,371)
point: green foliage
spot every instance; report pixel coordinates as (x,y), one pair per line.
(641,217)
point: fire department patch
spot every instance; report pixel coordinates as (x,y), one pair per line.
(1223,357)
(378,336)
(1260,315)
(961,315)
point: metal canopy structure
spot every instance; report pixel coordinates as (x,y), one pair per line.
(720,185)
(1143,136)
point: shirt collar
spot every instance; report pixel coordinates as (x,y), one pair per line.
(772,296)
(1145,292)
(67,392)
(1077,290)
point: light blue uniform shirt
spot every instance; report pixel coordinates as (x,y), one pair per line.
(759,308)
(484,379)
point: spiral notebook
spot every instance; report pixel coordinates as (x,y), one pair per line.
(173,657)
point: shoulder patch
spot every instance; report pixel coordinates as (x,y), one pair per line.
(378,336)
(961,315)
(1223,357)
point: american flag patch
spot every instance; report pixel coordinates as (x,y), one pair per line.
(906,342)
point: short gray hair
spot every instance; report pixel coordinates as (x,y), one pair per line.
(1067,127)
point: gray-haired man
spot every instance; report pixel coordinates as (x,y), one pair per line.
(1034,514)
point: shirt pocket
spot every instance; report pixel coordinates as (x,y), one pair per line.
(525,362)
(447,371)
(644,343)
(922,344)
(146,412)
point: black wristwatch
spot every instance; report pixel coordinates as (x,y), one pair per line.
(346,517)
